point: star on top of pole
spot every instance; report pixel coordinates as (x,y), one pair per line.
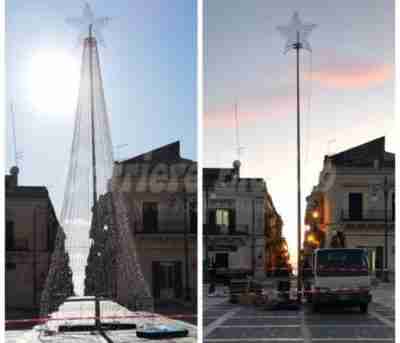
(83,23)
(296,33)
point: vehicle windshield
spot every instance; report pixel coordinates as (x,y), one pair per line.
(343,262)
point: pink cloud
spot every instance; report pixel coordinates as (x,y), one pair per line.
(250,113)
(355,75)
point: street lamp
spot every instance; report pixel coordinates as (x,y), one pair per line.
(208,196)
(186,245)
(296,34)
(315,214)
(386,188)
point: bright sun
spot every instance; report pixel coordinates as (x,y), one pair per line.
(54,82)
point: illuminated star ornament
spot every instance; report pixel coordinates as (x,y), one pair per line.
(83,23)
(296,33)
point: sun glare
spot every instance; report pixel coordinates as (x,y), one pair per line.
(54,82)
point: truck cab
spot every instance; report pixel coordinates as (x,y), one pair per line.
(340,276)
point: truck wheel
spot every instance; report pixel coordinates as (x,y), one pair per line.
(363,308)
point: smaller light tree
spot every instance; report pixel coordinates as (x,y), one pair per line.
(59,285)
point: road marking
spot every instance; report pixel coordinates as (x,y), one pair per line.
(255,340)
(259,326)
(298,325)
(351,339)
(211,327)
(305,330)
(381,318)
(266,317)
(354,339)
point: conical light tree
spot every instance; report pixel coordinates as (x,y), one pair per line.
(90,166)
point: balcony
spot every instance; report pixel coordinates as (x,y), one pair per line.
(219,230)
(18,245)
(169,227)
(367,216)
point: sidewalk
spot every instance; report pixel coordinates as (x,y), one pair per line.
(220,296)
(383,294)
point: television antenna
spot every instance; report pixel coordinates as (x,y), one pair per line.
(239,149)
(17,155)
(329,143)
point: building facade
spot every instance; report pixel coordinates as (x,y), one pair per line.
(31,227)
(233,215)
(158,189)
(355,196)
(276,248)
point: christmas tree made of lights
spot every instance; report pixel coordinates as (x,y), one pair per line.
(95,233)
(90,168)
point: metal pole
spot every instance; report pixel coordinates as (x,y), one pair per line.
(34,260)
(298,47)
(385,192)
(94,219)
(206,235)
(92,116)
(253,248)
(186,246)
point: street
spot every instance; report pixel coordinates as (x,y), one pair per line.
(225,323)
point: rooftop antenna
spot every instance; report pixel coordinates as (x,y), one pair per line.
(17,156)
(238,147)
(329,143)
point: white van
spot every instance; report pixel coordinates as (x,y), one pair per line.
(340,276)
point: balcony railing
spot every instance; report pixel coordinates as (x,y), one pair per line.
(370,215)
(226,230)
(169,227)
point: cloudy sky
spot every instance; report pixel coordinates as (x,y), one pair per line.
(347,87)
(149,73)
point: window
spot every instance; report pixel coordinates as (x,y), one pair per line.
(150,216)
(11,266)
(193,216)
(167,279)
(10,235)
(393,206)
(221,260)
(355,206)
(222,217)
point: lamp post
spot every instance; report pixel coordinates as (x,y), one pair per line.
(207,187)
(385,187)
(385,195)
(296,34)
(186,245)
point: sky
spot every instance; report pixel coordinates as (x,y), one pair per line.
(148,65)
(347,89)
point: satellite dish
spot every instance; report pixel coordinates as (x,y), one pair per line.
(14,170)
(236,164)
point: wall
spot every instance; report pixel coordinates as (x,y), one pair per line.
(29,216)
